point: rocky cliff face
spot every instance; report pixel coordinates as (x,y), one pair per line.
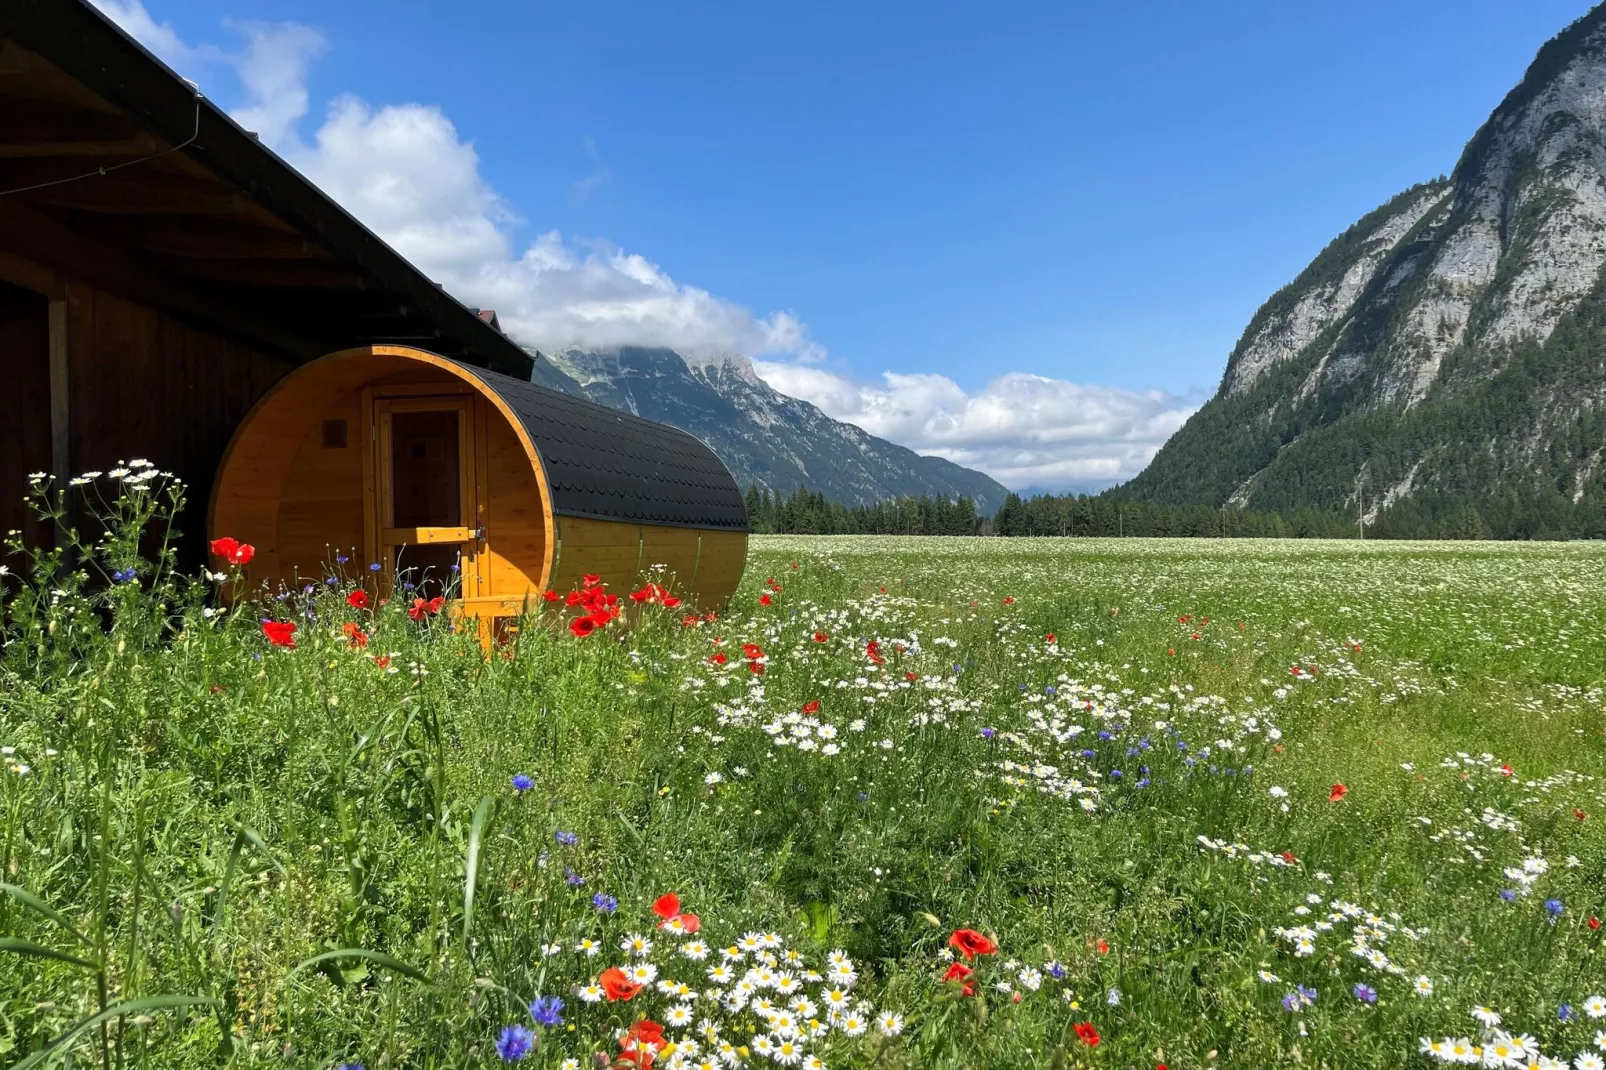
(1445,354)
(763,436)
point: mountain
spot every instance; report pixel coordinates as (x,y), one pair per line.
(762,435)
(1440,368)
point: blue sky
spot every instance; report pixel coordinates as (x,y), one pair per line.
(1096,194)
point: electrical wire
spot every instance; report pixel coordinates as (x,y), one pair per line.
(103,171)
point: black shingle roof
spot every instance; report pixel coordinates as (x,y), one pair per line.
(610,465)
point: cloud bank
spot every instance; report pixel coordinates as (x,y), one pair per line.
(556,292)
(1023,430)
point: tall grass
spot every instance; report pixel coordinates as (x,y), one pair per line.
(217,851)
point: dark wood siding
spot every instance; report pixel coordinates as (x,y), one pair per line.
(25,416)
(144,384)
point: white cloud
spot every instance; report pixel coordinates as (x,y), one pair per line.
(406,172)
(408,175)
(1023,430)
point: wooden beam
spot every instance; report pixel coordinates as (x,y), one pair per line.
(318,277)
(56,246)
(209,238)
(143,190)
(115,149)
(31,276)
(60,395)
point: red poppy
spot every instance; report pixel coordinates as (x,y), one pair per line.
(1579,814)
(763,599)
(647,1031)
(357,599)
(1338,792)
(1009,600)
(752,650)
(1049,638)
(1102,946)
(958,971)
(820,637)
(667,905)
(590,579)
(382,661)
(691,620)
(641,1044)
(670,601)
(355,635)
(1288,856)
(756,668)
(872,650)
(794,564)
(1087,1034)
(970,943)
(233,551)
(582,626)
(811,707)
(280,633)
(1171,652)
(1594,923)
(1506,770)
(616,986)
(551,596)
(718,657)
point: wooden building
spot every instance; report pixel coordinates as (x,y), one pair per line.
(450,474)
(163,274)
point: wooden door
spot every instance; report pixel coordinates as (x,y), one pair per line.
(428,522)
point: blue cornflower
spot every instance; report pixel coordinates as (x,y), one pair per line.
(864,796)
(1554,907)
(574,879)
(1104,735)
(1050,690)
(568,839)
(1365,993)
(123,575)
(374,567)
(1132,752)
(1090,753)
(547,1011)
(988,733)
(514,1043)
(1142,783)
(1115,774)
(1508,894)
(1291,1003)
(1181,745)
(341,559)
(1307,996)
(1565,1012)
(522,783)
(349,1066)
(605,903)
(1056,970)
(331,580)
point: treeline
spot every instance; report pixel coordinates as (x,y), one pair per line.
(808,512)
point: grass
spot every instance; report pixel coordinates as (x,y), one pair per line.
(222,852)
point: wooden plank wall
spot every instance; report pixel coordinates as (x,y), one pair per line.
(144,384)
(25,425)
(321,503)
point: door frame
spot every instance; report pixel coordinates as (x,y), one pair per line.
(380,536)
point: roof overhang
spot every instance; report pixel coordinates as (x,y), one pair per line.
(182,209)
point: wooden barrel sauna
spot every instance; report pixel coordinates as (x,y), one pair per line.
(437,470)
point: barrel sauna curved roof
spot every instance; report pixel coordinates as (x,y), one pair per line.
(610,465)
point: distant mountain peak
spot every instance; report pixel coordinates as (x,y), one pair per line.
(763,436)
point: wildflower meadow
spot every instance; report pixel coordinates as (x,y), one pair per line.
(906,802)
